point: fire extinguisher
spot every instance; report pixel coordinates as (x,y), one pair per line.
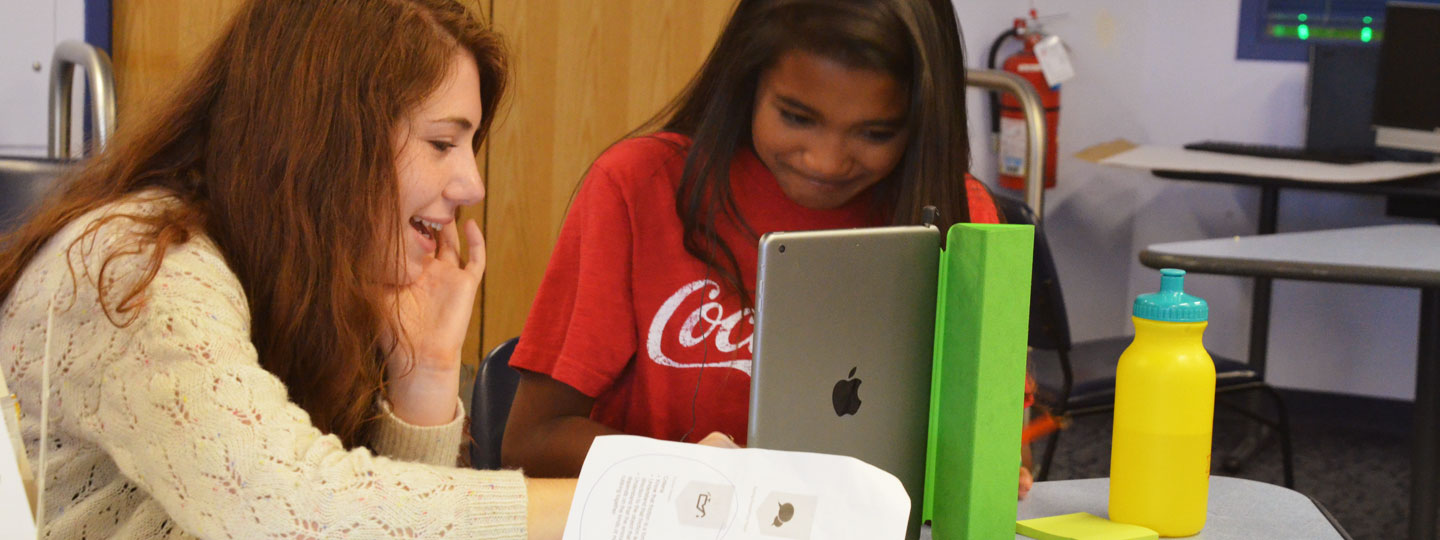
(1007,119)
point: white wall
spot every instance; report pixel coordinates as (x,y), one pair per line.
(1164,72)
(29,31)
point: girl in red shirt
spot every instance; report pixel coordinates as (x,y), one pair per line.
(808,114)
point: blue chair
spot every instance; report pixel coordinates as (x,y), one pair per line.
(1078,379)
(490,404)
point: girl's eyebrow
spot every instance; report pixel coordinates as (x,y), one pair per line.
(796,104)
(808,110)
(463,123)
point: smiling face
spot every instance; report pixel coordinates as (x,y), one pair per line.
(825,130)
(435,163)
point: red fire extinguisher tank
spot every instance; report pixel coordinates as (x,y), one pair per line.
(1012,119)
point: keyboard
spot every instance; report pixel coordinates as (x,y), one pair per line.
(1280,152)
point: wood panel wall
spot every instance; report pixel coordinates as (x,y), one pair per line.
(584,73)
(156,41)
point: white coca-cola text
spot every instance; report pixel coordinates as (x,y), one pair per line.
(707,322)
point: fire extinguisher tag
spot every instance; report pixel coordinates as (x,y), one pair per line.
(1013,145)
(1054,61)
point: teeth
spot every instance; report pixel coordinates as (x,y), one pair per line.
(433,226)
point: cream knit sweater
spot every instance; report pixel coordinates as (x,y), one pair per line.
(169,427)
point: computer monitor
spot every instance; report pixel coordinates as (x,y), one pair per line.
(1339,96)
(1407,85)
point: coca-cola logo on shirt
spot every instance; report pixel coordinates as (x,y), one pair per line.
(706,325)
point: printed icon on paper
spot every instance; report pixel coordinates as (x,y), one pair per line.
(706,505)
(783,515)
(700,502)
(786,515)
(846,396)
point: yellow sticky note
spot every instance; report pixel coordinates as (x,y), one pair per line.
(1081,526)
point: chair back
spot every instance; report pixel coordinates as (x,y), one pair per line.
(24,182)
(490,405)
(1049,324)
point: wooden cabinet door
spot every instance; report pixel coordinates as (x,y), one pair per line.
(156,42)
(585,73)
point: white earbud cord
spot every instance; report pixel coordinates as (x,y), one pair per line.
(704,359)
(44,425)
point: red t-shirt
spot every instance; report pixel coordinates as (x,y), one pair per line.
(627,316)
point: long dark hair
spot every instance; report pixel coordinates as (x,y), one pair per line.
(279,145)
(915,41)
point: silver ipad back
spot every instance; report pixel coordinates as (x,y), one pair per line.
(845,328)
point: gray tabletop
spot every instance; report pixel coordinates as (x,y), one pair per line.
(1395,255)
(1398,255)
(1238,508)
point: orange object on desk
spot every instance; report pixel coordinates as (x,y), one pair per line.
(1040,427)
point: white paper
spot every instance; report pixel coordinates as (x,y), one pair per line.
(1179,159)
(636,488)
(14,505)
(1054,61)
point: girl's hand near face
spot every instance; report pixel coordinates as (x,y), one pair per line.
(422,371)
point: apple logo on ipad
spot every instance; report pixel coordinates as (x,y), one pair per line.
(846,396)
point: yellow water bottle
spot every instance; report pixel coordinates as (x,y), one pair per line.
(1164,412)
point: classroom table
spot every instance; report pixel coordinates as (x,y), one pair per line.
(1416,191)
(1237,509)
(1391,255)
(1423,188)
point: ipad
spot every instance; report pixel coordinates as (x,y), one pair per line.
(844,334)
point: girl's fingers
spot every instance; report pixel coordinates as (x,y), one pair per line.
(449,250)
(719,440)
(476,241)
(1026,481)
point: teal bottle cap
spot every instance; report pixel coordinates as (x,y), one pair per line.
(1171,304)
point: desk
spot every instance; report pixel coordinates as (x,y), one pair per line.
(1238,509)
(1393,255)
(1424,187)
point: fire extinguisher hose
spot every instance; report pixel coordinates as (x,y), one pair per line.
(990,64)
